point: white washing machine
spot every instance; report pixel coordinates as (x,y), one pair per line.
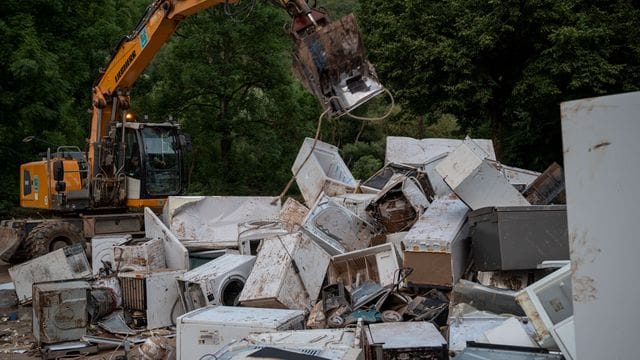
(218,282)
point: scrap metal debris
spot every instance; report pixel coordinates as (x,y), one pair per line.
(440,243)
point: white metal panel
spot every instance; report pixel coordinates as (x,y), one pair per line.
(213,220)
(63,264)
(102,250)
(406,335)
(475,180)
(323,171)
(205,331)
(415,152)
(438,227)
(176,255)
(601,152)
(273,282)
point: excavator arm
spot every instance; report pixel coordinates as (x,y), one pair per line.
(328,59)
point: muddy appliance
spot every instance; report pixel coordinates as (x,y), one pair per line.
(207,330)
(150,298)
(60,311)
(218,282)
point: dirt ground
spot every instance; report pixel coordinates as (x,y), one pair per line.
(16,337)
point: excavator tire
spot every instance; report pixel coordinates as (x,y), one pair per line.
(49,236)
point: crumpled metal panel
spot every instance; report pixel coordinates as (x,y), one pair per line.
(472,177)
(63,264)
(212,221)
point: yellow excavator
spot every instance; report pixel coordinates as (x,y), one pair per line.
(129,164)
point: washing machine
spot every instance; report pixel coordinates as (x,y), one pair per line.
(218,282)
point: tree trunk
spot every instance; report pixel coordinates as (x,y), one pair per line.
(421,128)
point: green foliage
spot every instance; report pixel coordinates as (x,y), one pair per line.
(503,66)
(229,84)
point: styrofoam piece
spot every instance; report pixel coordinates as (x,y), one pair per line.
(274,281)
(438,227)
(335,228)
(176,255)
(59,311)
(510,332)
(213,220)
(68,263)
(378,263)
(146,256)
(323,171)
(102,250)
(549,304)
(475,180)
(601,152)
(217,282)
(206,330)
(154,293)
(415,152)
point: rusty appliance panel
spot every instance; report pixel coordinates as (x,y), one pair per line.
(150,298)
(330,62)
(59,311)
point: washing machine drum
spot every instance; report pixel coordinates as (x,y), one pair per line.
(229,291)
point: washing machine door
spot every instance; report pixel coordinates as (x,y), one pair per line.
(230,289)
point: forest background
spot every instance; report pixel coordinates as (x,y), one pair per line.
(488,69)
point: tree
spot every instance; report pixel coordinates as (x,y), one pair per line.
(229,84)
(52,52)
(503,67)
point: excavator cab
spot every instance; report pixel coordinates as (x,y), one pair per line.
(153,160)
